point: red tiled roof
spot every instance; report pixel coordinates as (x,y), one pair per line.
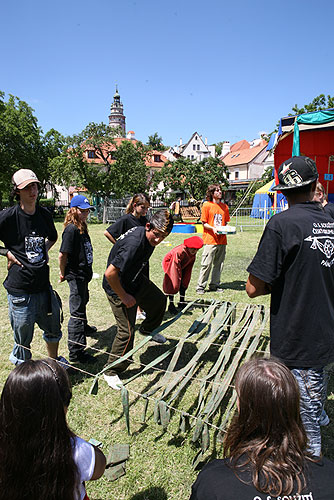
(243,155)
(118,140)
(240,145)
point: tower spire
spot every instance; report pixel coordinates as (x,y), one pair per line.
(117,117)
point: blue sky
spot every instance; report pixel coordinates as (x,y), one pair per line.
(227,70)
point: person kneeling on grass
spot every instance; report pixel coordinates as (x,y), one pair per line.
(177,266)
(127,286)
(266,444)
(41,458)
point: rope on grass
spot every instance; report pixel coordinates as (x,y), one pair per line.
(218,320)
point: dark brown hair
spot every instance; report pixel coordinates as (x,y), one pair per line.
(35,441)
(267,436)
(211,189)
(72,217)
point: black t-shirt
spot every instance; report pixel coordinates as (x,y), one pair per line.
(296,257)
(24,235)
(80,253)
(329,209)
(130,255)
(217,481)
(124,223)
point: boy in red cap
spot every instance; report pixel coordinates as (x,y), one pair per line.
(177,266)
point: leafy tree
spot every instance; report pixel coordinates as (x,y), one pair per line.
(191,177)
(155,142)
(119,167)
(319,103)
(22,144)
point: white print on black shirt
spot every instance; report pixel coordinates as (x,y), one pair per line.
(323,240)
(128,232)
(34,248)
(88,251)
(218,220)
(296,496)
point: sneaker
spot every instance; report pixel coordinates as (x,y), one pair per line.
(156,338)
(63,362)
(200,291)
(172,309)
(83,357)
(113,381)
(141,315)
(160,339)
(90,330)
(216,288)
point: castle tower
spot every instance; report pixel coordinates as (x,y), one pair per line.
(116,117)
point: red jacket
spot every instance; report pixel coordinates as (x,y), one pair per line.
(177,265)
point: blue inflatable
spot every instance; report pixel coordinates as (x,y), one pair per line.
(184,228)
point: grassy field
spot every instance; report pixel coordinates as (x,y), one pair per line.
(159,467)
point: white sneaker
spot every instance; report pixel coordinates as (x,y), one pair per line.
(159,338)
(113,381)
(141,315)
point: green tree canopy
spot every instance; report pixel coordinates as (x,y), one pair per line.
(119,167)
(319,103)
(191,177)
(155,142)
(22,144)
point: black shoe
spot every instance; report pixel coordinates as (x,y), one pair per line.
(83,357)
(172,309)
(90,330)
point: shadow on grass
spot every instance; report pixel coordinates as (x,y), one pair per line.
(153,493)
(235,285)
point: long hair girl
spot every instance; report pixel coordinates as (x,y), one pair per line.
(35,440)
(73,217)
(138,199)
(267,435)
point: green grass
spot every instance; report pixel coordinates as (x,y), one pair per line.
(159,467)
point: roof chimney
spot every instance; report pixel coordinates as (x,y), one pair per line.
(180,141)
(130,135)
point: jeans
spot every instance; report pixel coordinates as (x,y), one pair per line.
(79,297)
(24,311)
(313,392)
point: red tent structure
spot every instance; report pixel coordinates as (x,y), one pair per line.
(313,134)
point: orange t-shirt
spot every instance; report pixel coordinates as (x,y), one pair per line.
(214,214)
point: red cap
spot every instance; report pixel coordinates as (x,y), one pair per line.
(194,242)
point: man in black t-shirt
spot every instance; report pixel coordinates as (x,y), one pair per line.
(28,233)
(126,285)
(295,264)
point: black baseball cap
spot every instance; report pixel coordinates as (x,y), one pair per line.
(296,172)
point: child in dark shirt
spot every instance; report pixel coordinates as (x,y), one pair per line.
(75,262)
(135,215)
(126,285)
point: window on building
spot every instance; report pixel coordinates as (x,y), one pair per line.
(192,157)
(91,154)
(194,147)
(236,175)
(157,158)
(197,147)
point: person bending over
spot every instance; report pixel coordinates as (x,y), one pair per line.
(177,266)
(126,285)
